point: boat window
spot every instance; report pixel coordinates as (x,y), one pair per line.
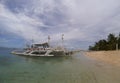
(35,53)
(38,52)
(51,53)
(42,52)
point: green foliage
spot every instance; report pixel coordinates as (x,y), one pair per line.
(108,44)
(119,41)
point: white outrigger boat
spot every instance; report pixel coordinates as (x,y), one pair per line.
(43,49)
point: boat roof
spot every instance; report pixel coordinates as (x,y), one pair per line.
(43,44)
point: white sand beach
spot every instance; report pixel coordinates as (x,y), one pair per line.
(111,57)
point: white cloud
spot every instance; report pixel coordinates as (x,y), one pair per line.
(20,24)
(4,40)
(83,20)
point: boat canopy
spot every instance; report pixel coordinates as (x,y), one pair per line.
(44,45)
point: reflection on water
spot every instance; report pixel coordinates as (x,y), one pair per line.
(74,69)
(47,59)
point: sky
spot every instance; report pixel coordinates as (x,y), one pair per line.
(82,22)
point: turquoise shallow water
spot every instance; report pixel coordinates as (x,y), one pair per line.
(75,69)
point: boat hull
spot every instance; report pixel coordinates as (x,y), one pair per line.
(48,53)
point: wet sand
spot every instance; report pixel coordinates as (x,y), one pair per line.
(111,57)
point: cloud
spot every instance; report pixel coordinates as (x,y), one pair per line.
(3,40)
(79,20)
(20,24)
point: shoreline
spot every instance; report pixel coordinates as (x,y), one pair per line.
(110,57)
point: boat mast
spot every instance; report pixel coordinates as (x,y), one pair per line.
(27,44)
(48,40)
(32,41)
(63,40)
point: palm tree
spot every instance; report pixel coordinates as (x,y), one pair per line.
(109,44)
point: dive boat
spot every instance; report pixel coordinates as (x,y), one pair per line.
(43,49)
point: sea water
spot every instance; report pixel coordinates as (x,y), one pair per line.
(71,69)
